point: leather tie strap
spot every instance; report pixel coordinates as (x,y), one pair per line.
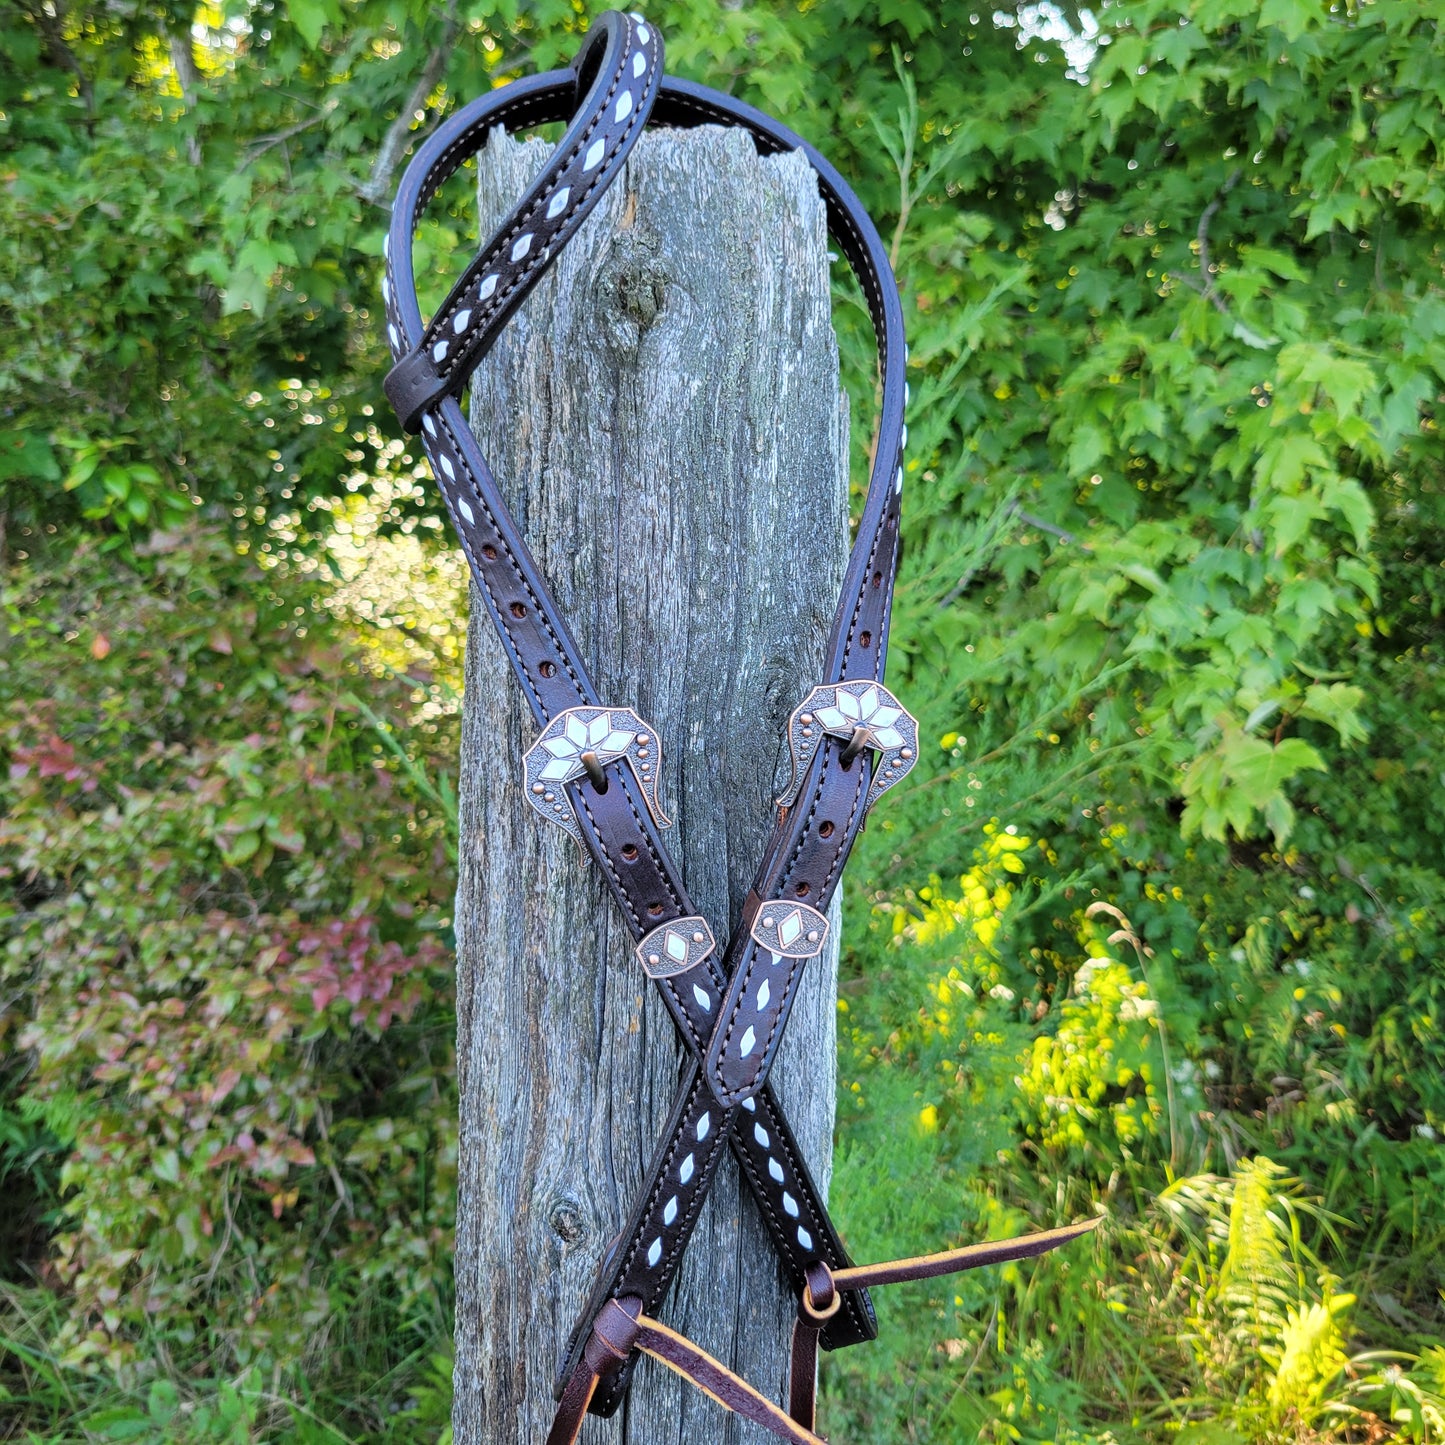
(595,766)
(821,1296)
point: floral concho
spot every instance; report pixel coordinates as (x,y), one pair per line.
(555,759)
(838,710)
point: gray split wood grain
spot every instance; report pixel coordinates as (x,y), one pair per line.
(665,419)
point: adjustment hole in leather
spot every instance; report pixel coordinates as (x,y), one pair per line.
(877,579)
(629,852)
(864,639)
(519,610)
(825,830)
(547,669)
(654,910)
(803,889)
(489,552)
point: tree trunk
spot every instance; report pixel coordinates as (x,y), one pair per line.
(665,419)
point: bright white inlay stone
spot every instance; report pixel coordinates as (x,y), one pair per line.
(669,1211)
(447,466)
(395,338)
(439,351)
(466,511)
(761,1135)
(776,1170)
(685,1173)
(764,994)
(624,106)
(639,63)
(702,998)
(898,481)
(643,33)
(703,1125)
(751,1105)
(654,1252)
(386,290)
(676,947)
(790,928)
(804,1238)
(559,203)
(523,245)
(459,321)
(488,286)
(903,441)
(790,1204)
(745,1044)
(429,425)
(594,155)
(386,246)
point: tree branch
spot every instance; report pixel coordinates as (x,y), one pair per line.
(183,61)
(378,185)
(1207,289)
(263,143)
(985,552)
(50,24)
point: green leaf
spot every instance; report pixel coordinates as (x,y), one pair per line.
(1293,17)
(1288,458)
(310,18)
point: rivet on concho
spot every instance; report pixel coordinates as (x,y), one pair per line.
(580,742)
(673,948)
(860,715)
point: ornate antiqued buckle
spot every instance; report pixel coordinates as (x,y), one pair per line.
(582,741)
(673,948)
(864,715)
(789,930)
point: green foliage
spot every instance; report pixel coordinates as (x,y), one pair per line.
(225,988)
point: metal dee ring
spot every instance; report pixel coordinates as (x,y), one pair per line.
(821,1316)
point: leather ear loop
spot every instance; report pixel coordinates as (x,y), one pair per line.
(822,1295)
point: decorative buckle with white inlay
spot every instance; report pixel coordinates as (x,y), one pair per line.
(673,948)
(863,714)
(789,930)
(582,741)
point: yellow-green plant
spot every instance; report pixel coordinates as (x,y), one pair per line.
(1268,1326)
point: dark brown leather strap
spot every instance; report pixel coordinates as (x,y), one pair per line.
(616,827)
(731,1011)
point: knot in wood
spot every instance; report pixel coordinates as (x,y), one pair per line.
(565,1220)
(634,287)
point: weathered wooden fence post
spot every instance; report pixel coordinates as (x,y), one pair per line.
(665,418)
